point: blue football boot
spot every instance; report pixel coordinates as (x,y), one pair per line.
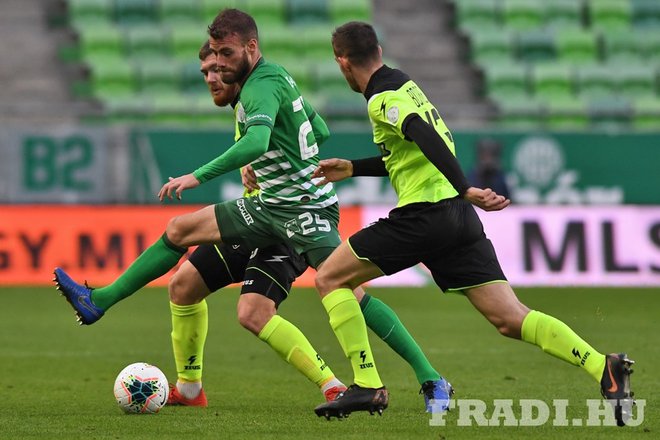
(79,296)
(437,394)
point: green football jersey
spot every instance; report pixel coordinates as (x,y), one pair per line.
(271,97)
(413,176)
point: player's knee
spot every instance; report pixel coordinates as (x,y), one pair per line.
(253,318)
(173,231)
(178,290)
(508,326)
(324,282)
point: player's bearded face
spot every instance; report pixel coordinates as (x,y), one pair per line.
(233,58)
(222,94)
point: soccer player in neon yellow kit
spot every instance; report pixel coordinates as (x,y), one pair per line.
(291,208)
(434,223)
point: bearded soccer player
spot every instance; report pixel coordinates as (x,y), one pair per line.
(434,222)
(279,141)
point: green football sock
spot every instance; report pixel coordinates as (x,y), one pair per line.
(347,321)
(154,262)
(556,338)
(190,325)
(290,343)
(382,320)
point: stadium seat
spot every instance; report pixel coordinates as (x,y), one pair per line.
(266,12)
(100,40)
(519,113)
(301,72)
(651,45)
(577,47)
(210,8)
(186,42)
(506,79)
(307,11)
(113,77)
(172,109)
(595,80)
(207,113)
(610,14)
(552,81)
(191,79)
(646,13)
(477,14)
(317,43)
(129,12)
(646,113)
(609,111)
(86,11)
(342,11)
(636,81)
(535,46)
(279,42)
(126,108)
(328,78)
(522,14)
(160,76)
(176,11)
(566,113)
(623,46)
(563,14)
(147,41)
(491,46)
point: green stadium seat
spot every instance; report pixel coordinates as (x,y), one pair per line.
(507,80)
(100,41)
(210,8)
(191,79)
(317,43)
(207,113)
(646,114)
(266,11)
(491,46)
(623,46)
(307,11)
(610,111)
(565,114)
(552,81)
(160,76)
(186,42)
(646,13)
(610,14)
(147,41)
(176,11)
(523,14)
(301,72)
(477,14)
(595,80)
(342,11)
(343,105)
(651,45)
(328,78)
(563,14)
(113,76)
(129,12)
(519,113)
(535,46)
(279,42)
(636,81)
(577,47)
(86,11)
(172,109)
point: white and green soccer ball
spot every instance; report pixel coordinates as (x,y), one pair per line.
(141,388)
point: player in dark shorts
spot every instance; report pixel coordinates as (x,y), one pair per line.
(434,222)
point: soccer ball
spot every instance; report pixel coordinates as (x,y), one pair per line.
(141,388)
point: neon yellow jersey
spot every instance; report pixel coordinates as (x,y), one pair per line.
(414,178)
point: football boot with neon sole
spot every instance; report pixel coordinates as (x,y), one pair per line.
(355,398)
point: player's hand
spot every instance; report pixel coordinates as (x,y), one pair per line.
(333,170)
(486,199)
(249,178)
(177,186)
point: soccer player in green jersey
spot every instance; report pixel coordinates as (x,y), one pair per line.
(267,275)
(434,222)
(279,138)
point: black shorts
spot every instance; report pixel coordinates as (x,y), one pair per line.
(447,236)
(269,271)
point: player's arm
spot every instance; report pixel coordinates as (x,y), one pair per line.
(319,127)
(436,151)
(244,151)
(334,170)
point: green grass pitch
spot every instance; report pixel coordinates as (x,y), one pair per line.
(57,378)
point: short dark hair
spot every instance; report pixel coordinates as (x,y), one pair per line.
(356,41)
(205,51)
(233,21)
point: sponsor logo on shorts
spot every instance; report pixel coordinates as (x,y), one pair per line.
(246,215)
(277,259)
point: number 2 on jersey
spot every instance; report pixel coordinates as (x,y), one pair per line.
(306,150)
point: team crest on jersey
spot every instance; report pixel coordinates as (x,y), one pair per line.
(393,114)
(240,113)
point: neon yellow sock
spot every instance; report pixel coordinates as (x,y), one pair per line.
(290,343)
(347,321)
(556,338)
(189,328)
